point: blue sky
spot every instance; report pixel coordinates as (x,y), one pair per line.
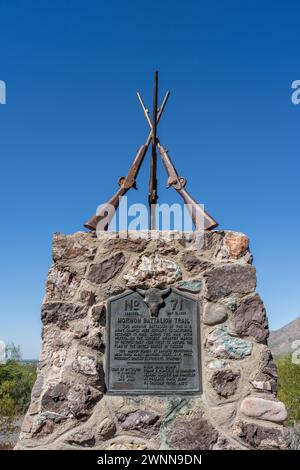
(72,125)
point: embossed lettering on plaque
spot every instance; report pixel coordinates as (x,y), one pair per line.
(153,342)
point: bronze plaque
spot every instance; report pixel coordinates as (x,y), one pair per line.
(153,343)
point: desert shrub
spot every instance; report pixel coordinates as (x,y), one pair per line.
(16,382)
(289,387)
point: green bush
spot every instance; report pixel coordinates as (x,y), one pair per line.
(16,382)
(289,387)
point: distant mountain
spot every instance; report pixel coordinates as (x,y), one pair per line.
(280,341)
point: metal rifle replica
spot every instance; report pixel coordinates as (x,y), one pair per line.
(200,218)
(125,182)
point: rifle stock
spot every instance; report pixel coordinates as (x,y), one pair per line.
(114,201)
(106,211)
(197,213)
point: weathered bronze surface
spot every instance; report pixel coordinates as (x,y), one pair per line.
(153,343)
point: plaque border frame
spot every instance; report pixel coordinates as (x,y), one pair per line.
(198,392)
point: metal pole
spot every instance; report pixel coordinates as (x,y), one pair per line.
(153,166)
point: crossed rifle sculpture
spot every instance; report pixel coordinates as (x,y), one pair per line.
(201,219)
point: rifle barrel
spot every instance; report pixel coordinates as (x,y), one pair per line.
(153,165)
(155,109)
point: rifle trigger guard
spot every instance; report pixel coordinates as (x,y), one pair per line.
(177,183)
(183,181)
(127,183)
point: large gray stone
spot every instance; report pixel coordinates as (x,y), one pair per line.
(261,437)
(66,400)
(55,397)
(230,278)
(250,319)
(62,313)
(114,289)
(107,269)
(94,340)
(78,245)
(191,432)
(87,297)
(214,313)
(195,265)
(147,422)
(165,248)
(127,244)
(99,314)
(106,429)
(266,364)
(44,426)
(266,376)
(225,382)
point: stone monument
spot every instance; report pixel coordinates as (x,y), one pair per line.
(154,344)
(153,339)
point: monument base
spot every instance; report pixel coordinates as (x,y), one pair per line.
(103,383)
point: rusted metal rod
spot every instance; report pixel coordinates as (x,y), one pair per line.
(152,197)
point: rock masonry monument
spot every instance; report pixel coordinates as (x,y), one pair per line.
(154,339)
